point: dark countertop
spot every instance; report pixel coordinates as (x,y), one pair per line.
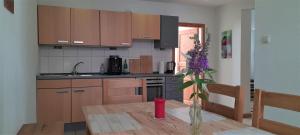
(96,76)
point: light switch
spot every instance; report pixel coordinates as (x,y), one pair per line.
(266,39)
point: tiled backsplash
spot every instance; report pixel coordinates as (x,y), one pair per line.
(62,60)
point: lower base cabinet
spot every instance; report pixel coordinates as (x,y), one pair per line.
(62,100)
(84,97)
(54,105)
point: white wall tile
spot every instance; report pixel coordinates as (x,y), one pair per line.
(56,65)
(69,63)
(70,52)
(98,52)
(110,52)
(123,52)
(96,63)
(44,64)
(63,60)
(84,52)
(55,52)
(44,51)
(86,66)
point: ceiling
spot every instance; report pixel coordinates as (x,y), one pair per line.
(212,3)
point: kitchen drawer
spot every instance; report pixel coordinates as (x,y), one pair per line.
(78,83)
(53,84)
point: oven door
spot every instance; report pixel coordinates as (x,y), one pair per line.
(154,91)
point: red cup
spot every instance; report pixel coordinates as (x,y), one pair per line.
(159,107)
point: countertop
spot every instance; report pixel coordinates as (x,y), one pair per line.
(96,76)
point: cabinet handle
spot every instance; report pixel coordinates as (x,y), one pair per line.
(124,43)
(79,91)
(78,42)
(147,37)
(61,92)
(62,41)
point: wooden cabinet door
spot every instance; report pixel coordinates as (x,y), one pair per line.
(54,105)
(53,25)
(153,27)
(145,26)
(85,27)
(115,29)
(84,97)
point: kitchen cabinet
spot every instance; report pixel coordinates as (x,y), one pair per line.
(85,27)
(115,29)
(53,25)
(62,100)
(168,32)
(145,26)
(53,101)
(124,90)
(172,92)
(85,92)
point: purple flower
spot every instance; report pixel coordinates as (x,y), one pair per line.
(198,61)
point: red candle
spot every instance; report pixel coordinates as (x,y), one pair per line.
(159,107)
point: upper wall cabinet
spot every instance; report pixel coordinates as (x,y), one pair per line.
(115,29)
(54,25)
(168,32)
(145,26)
(85,27)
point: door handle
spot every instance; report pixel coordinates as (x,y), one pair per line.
(61,92)
(62,41)
(78,42)
(79,91)
(124,43)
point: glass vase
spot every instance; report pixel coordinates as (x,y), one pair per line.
(195,117)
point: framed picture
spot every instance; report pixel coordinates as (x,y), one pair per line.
(226,44)
(9,5)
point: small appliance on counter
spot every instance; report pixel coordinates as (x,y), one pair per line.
(114,65)
(170,67)
(161,69)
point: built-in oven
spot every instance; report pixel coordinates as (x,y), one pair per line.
(155,87)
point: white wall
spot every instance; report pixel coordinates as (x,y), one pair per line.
(277,64)
(186,13)
(229,70)
(19,53)
(246,42)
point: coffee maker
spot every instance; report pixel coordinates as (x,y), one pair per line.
(114,65)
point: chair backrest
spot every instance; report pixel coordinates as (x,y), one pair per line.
(278,100)
(236,92)
(116,91)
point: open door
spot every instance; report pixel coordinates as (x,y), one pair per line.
(185,44)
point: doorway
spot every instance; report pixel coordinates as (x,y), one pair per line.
(185,31)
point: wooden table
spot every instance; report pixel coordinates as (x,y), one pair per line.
(138,119)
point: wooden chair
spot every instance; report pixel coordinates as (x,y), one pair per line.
(116,91)
(236,92)
(284,101)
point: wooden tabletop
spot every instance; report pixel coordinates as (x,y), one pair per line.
(138,118)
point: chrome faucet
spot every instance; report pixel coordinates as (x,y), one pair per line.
(74,71)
